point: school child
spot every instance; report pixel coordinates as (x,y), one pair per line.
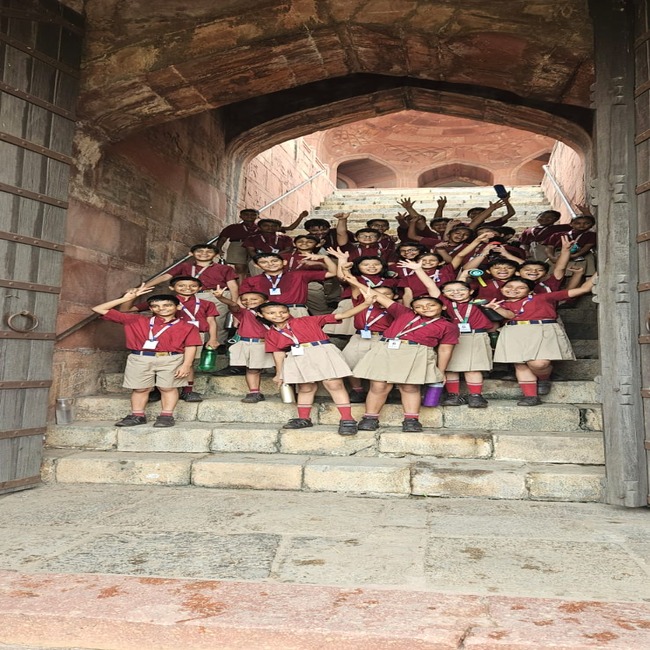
(322,229)
(405,251)
(212,274)
(235,234)
(162,348)
(268,239)
(538,271)
(407,357)
(472,356)
(583,244)
(289,286)
(304,355)
(478,215)
(370,271)
(420,222)
(382,226)
(531,337)
(497,273)
(200,313)
(248,349)
(366,241)
(534,239)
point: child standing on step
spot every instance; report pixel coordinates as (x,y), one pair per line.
(249,347)
(531,337)
(162,351)
(407,357)
(304,355)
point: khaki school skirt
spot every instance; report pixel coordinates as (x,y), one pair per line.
(319,362)
(409,364)
(521,343)
(357,348)
(250,354)
(473,352)
(345,327)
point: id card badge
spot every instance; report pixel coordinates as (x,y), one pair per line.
(150,345)
(275,291)
(194,322)
(275,250)
(464,328)
(393,344)
(297,350)
(365,334)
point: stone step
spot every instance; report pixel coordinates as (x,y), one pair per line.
(501,414)
(562,392)
(355,475)
(576,447)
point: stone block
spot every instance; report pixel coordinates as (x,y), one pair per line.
(115,407)
(87,435)
(325,441)
(391,415)
(586,348)
(566,483)
(592,417)
(180,438)
(223,409)
(507,416)
(236,386)
(249,471)
(580,369)
(256,438)
(580,448)
(373,475)
(462,444)
(125,468)
(564,392)
(469,478)
(49,460)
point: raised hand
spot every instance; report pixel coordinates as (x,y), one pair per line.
(407,204)
(583,209)
(442,201)
(493,304)
(342,215)
(369,296)
(409,264)
(338,253)
(218,291)
(566,243)
(134,292)
(303,214)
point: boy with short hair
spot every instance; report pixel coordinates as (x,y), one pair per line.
(268,240)
(162,349)
(235,234)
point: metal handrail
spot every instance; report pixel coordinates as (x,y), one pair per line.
(563,196)
(89,319)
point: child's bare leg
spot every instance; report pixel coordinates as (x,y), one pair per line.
(306,394)
(168,399)
(542,369)
(336,388)
(474,381)
(528,384)
(139,397)
(377,396)
(411,399)
(253,377)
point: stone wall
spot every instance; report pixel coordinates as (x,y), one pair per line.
(135,207)
(568,168)
(278,170)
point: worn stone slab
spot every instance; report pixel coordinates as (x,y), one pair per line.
(563,392)
(469,478)
(324,440)
(378,475)
(261,472)
(507,416)
(49,459)
(115,407)
(566,483)
(582,448)
(592,417)
(580,369)
(391,415)
(462,444)
(256,438)
(223,409)
(83,435)
(184,437)
(125,468)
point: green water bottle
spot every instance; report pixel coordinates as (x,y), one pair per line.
(208,361)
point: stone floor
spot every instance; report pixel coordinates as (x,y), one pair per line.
(468,556)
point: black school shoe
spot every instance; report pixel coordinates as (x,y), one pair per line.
(191,396)
(453,399)
(347,427)
(298,423)
(164,421)
(368,424)
(476,401)
(532,400)
(253,398)
(358,396)
(131,421)
(543,386)
(229,371)
(411,425)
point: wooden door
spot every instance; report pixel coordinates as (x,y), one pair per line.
(40,46)
(642,142)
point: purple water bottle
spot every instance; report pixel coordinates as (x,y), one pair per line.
(432,394)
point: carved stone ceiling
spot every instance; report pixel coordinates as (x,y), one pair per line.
(149,62)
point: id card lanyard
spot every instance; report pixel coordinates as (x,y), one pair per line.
(366,333)
(463,322)
(395,342)
(274,245)
(152,342)
(371,283)
(193,320)
(197,274)
(275,290)
(296,349)
(523,307)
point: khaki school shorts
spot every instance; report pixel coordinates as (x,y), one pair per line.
(147,372)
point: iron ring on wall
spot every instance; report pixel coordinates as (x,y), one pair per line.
(25,314)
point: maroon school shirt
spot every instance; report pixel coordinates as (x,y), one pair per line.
(292,284)
(356,250)
(434,332)
(371,281)
(537,306)
(580,239)
(539,234)
(249,325)
(295,262)
(136,330)
(548,285)
(239,231)
(403,231)
(192,309)
(211,276)
(440,275)
(382,319)
(477,318)
(268,242)
(304,329)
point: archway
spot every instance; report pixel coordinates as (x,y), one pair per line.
(366,172)
(455,175)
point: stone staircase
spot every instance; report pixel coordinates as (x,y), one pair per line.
(551,452)
(528,200)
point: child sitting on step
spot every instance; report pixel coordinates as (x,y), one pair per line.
(248,349)
(162,351)
(304,355)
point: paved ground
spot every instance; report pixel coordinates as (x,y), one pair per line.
(474,556)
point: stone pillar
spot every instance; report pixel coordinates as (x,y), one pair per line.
(613,194)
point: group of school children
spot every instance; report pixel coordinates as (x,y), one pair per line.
(443,298)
